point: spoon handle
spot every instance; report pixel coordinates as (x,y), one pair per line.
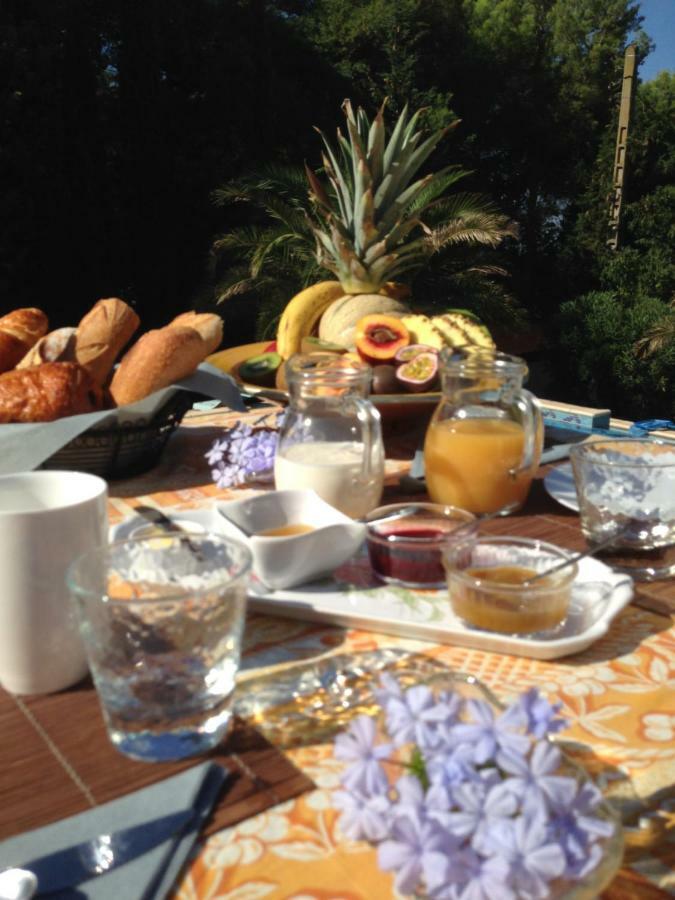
(590,551)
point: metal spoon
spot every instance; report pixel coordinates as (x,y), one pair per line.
(591,551)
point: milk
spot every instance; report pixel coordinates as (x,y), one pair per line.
(334,469)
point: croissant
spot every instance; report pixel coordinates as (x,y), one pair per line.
(19,330)
(47,392)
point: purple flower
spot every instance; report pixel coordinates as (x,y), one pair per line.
(479,807)
(488,734)
(358,745)
(476,879)
(453,767)
(416,715)
(217,451)
(482,812)
(533,780)
(244,454)
(577,831)
(534,859)
(363,818)
(409,792)
(542,716)
(415,847)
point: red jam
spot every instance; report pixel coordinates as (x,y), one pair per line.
(416,561)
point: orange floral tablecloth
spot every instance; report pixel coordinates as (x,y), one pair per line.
(618,696)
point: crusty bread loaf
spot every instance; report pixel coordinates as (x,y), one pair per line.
(57,346)
(209,326)
(157,359)
(47,392)
(19,330)
(102,335)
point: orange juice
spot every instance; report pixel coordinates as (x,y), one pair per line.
(468,463)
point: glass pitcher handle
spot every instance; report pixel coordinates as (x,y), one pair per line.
(527,404)
(369,419)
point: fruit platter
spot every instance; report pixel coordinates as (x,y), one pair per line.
(403,353)
(367,224)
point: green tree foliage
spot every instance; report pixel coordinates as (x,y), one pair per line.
(271,254)
(534,82)
(618,341)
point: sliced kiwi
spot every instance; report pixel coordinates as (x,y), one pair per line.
(261,369)
(311,344)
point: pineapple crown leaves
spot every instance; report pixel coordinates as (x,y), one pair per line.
(374,203)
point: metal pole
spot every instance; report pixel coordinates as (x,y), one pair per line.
(618,178)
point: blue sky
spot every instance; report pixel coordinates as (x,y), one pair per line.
(659,24)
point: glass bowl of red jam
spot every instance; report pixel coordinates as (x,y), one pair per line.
(405,541)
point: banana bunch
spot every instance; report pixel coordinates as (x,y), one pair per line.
(302,314)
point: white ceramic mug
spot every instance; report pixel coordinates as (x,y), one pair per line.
(47,519)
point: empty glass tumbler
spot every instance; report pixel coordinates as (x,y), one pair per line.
(626,487)
(162,621)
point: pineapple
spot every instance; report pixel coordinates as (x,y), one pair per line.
(367,234)
(369,231)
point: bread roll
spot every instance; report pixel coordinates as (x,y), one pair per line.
(157,359)
(48,392)
(57,346)
(19,330)
(209,326)
(102,334)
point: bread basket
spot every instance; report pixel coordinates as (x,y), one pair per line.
(124,449)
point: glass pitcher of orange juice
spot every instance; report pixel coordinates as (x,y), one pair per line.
(484,441)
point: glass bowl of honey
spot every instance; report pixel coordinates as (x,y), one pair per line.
(492,585)
(405,541)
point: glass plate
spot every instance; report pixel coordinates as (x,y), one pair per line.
(312,702)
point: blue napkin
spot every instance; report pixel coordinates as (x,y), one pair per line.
(147,877)
(642,429)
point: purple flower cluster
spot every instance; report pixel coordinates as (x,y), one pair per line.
(481,811)
(245,453)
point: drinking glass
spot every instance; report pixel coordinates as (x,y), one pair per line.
(162,621)
(626,487)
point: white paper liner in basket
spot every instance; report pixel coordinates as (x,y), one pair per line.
(26,446)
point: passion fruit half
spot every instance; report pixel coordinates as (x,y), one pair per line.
(405,354)
(419,374)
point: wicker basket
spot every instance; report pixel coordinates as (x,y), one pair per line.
(125,449)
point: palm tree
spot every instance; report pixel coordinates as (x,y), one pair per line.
(270,252)
(659,336)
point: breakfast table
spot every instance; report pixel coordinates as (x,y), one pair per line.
(278,835)
(617,696)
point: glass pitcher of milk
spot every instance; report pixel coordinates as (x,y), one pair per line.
(331,438)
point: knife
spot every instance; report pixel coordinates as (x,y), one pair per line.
(98,856)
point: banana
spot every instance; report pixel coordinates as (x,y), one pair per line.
(302,313)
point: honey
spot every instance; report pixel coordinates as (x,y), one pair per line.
(510,611)
(289,530)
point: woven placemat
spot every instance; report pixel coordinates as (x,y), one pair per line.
(56,760)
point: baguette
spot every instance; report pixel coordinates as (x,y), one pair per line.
(102,334)
(48,392)
(19,331)
(157,359)
(209,326)
(57,346)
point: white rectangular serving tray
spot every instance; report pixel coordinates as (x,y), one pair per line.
(598,596)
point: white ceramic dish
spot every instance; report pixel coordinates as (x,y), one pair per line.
(425,615)
(559,483)
(285,562)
